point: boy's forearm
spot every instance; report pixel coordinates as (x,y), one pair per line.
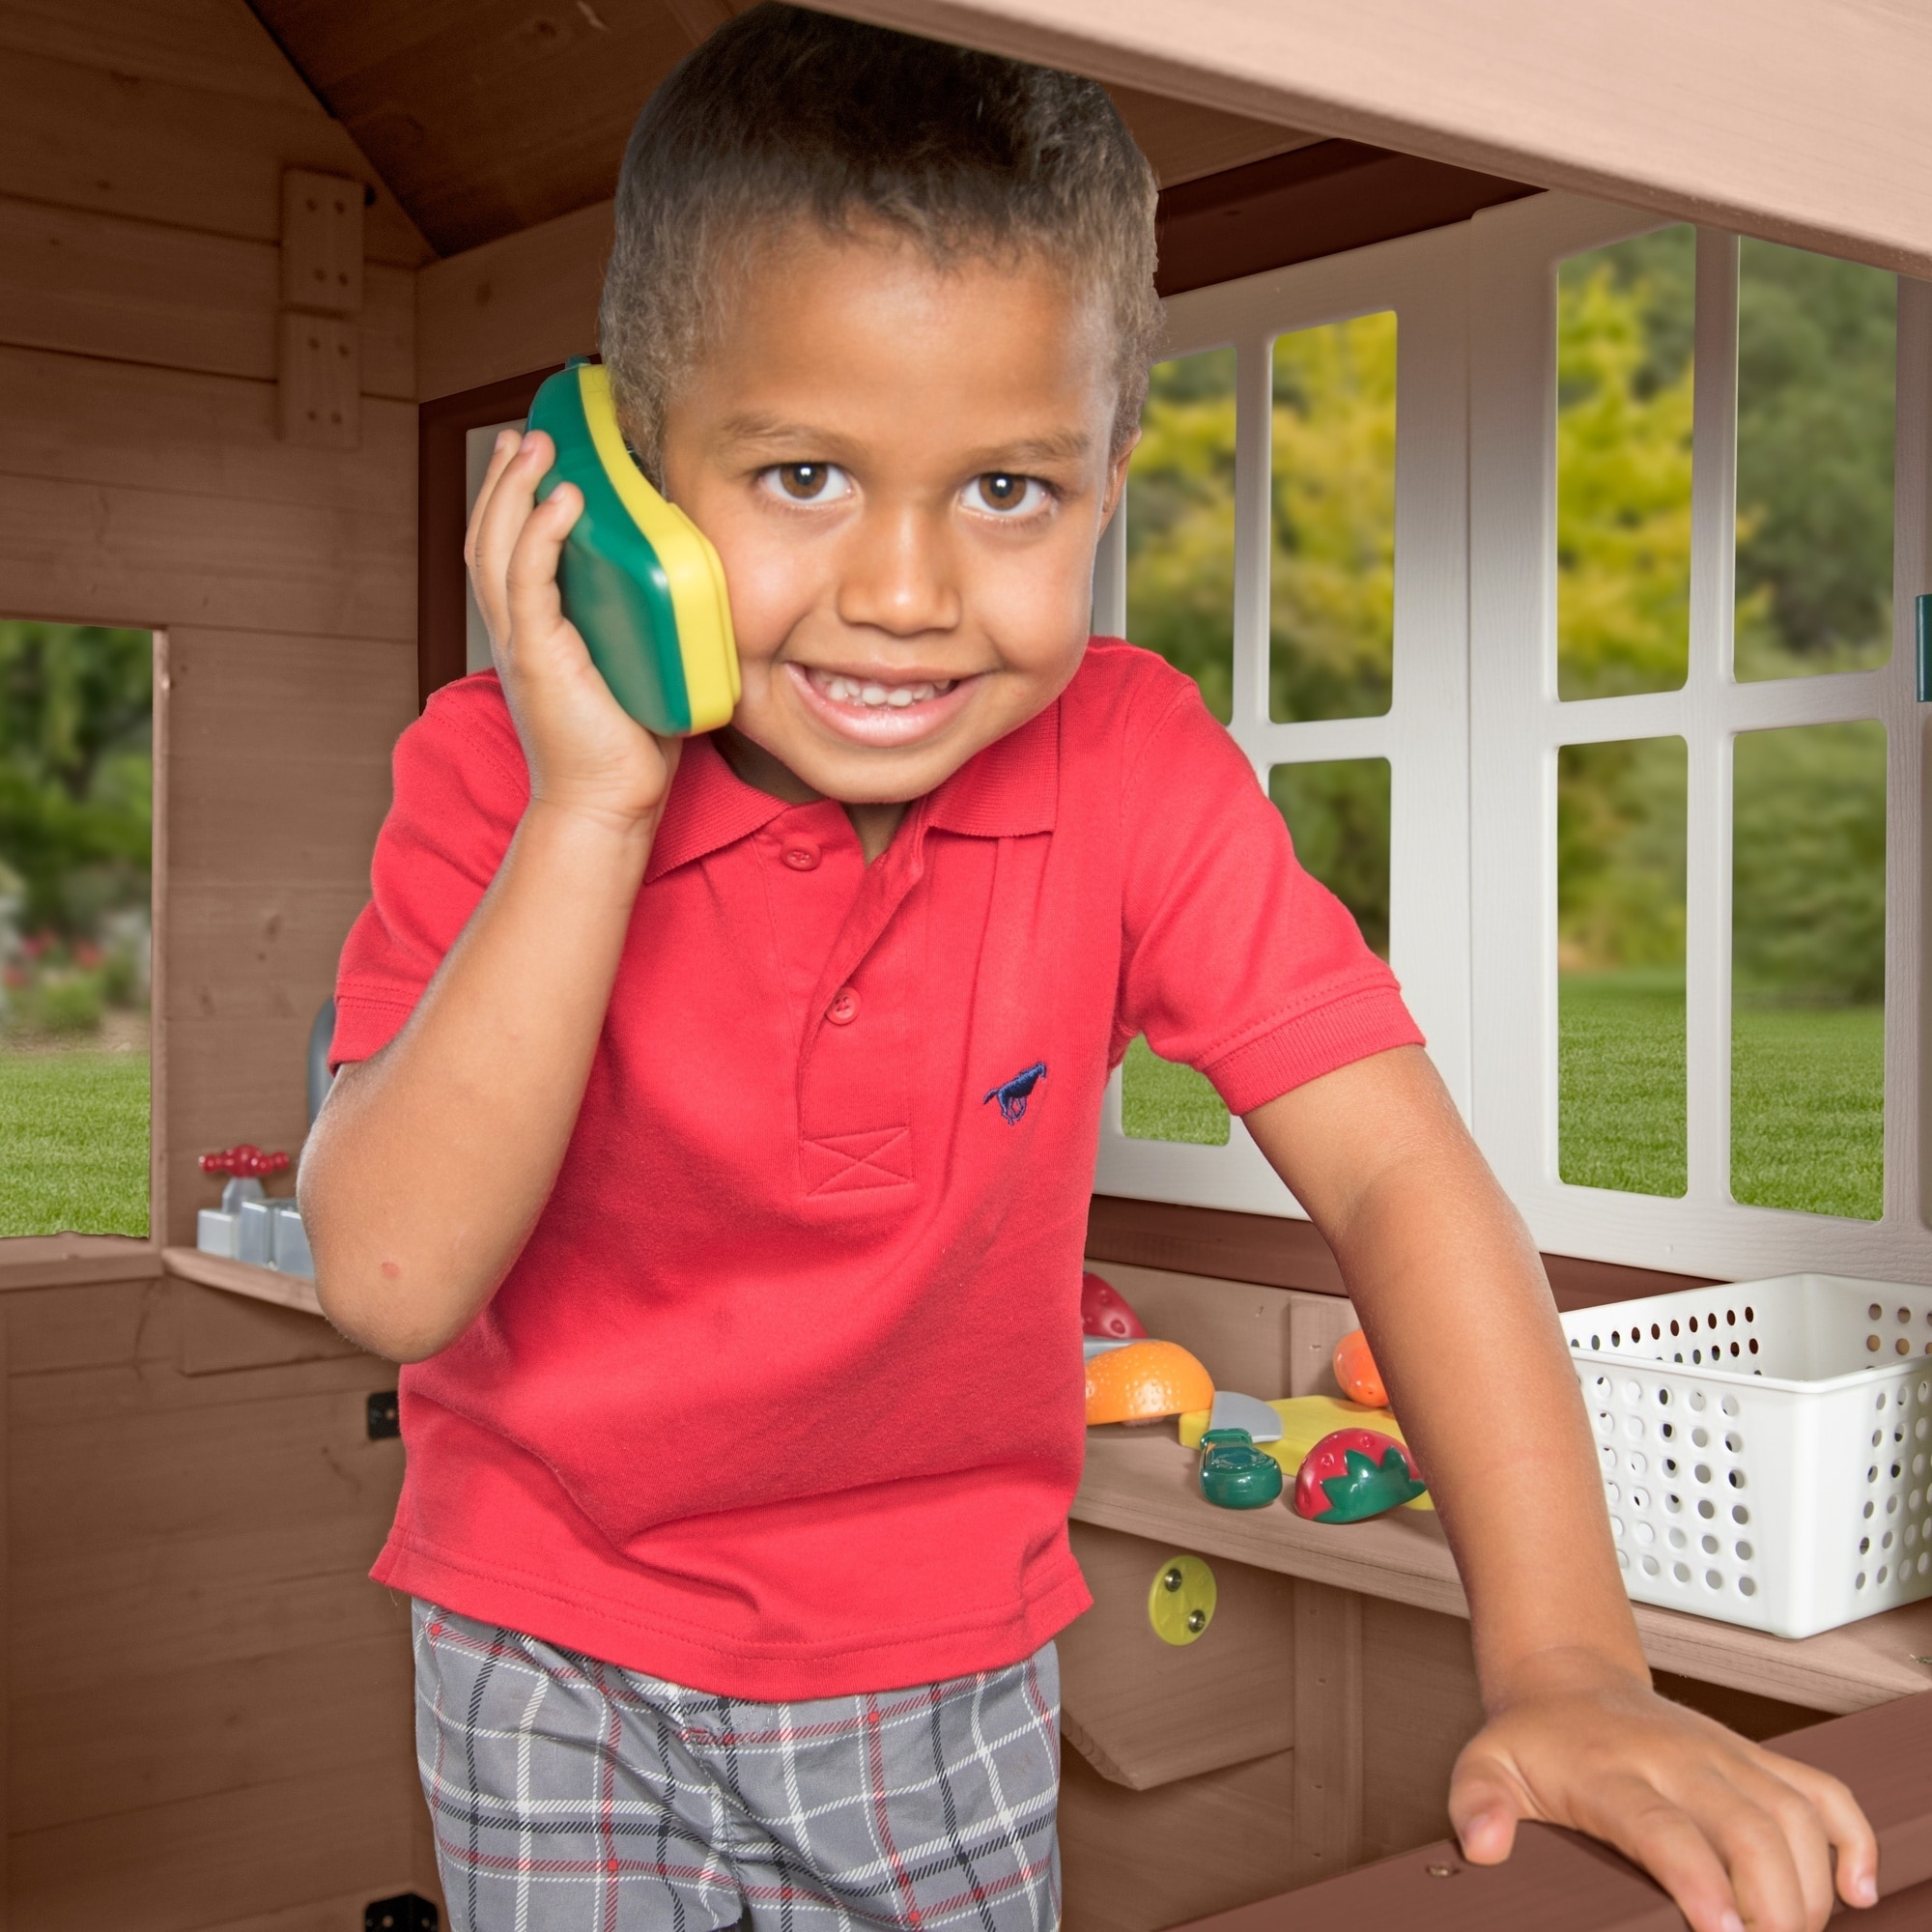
(433,1159)
(1452,1292)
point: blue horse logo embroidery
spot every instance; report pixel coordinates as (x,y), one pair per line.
(1015,1093)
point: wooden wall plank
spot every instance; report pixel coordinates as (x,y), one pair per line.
(130,1740)
(75,419)
(1328,1783)
(511,305)
(90,284)
(87,553)
(341,1914)
(83,136)
(216,44)
(199,1472)
(89,1326)
(178,1604)
(260,1850)
(1241,1333)
(1420,1706)
(1135,1860)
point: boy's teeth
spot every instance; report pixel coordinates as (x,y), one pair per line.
(851,691)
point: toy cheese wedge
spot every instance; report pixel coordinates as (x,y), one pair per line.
(640,579)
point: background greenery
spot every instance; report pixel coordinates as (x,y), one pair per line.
(1815,429)
(77,787)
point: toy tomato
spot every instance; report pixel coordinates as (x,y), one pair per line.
(1103,1311)
(1352,1475)
(1356,1374)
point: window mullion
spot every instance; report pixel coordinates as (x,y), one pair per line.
(1254,453)
(1906,992)
(1707,949)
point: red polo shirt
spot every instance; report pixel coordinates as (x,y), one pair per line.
(783,1397)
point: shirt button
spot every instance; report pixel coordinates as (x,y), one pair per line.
(844,1006)
(801,857)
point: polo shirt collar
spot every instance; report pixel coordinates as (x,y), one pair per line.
(1007,790)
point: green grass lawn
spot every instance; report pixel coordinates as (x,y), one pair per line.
(1808,1095)
(1162,1102)
(74,1142)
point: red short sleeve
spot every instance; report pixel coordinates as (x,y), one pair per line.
(1237,961)
(461,787)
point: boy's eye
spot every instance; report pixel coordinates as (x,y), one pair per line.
(1004,495)
(807,482)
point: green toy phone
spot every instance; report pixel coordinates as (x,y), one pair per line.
(640,579)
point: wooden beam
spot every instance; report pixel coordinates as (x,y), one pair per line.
(1740,113)
(1558,1878)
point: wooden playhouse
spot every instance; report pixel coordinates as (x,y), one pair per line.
(267,269)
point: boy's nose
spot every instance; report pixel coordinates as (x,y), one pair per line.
(896,576)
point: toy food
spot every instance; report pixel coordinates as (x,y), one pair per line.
(1235,1474)
(640,581)
(1305,1420)
(1352,1475)
(1255,1418)
(1104,1311)
(1144,1381)
(1356,1370)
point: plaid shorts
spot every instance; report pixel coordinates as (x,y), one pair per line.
(572,1795)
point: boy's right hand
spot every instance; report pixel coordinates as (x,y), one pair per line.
(585,752)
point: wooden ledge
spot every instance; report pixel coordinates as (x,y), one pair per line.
(288,1291)
(1143,1481)
(1558,1879)
(66,1261)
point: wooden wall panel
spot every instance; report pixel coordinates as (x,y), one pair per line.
(209,1705)
(206,1697)
(83,137)
(75,419)
(1420,1706)
(101,285)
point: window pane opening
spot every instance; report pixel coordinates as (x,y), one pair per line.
(1807,970)
(1331,594)
(1180,522)
(1621,1080)
(1817,416)
(77,792)
(1626,318)
(1337,812)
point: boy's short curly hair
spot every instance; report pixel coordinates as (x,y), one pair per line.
(784,114)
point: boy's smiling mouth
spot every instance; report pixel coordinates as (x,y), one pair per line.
(873,708)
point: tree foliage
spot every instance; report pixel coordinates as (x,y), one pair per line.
(77,771)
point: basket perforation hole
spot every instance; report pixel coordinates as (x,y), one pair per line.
(1706,1508)
(1734,1442)
(1746,1587)
(1681,1572)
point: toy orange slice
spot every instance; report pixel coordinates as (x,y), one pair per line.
(1144,1380)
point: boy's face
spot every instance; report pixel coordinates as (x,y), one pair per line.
(905,471)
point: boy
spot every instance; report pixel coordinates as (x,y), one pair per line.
(745,1412)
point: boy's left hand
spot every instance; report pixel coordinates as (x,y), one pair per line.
(1739,1837)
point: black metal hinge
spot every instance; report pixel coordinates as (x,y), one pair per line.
(405,1913)
(1923,607)
(383,1421)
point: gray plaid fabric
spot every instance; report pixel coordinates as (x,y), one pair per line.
(572,1795)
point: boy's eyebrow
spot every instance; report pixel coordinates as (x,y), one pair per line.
(1068,445)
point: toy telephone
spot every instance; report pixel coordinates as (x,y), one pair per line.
(640,579)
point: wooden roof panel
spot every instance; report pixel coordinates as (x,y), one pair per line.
(487,117)
(484,116)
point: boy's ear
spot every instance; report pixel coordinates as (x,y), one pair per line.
(1116,479)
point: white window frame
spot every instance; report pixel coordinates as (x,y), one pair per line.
(1518,722)
(1423,733)
(1473,733)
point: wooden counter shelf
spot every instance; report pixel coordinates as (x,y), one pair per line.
(1142,1481)
(261,1284)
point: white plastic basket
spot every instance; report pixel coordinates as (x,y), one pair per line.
(1765,1446)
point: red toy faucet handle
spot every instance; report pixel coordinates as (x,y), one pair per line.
(246,1163)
